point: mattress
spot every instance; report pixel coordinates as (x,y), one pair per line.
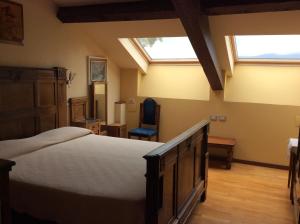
(69,175)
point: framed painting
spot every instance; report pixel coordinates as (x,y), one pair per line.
(97,69)
(11,22)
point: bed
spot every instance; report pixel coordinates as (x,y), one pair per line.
(68,175)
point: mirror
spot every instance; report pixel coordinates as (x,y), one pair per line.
(99,101)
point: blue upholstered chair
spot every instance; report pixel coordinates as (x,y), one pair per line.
(149,121)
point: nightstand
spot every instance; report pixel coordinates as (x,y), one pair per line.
(5,167)
(93,125)
(117,130)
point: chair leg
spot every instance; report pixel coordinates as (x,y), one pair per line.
(292,179)
(129,136)
(291,190)
(290,169)
(157,138)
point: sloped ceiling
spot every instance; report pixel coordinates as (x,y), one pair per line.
(107,35)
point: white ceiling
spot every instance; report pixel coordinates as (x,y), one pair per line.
(88,2)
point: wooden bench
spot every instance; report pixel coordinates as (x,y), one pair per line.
(223,144)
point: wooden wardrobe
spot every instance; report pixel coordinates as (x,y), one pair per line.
(32,100)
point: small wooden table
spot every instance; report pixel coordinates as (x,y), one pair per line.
(117,130)
(224,144)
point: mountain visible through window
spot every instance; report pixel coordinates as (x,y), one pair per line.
(268,47)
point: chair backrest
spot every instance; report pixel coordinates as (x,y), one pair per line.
(149,112)
(78,109)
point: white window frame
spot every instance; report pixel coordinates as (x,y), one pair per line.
(257,61)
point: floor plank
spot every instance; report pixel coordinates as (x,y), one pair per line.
(245,195)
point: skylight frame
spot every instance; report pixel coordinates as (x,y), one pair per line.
(144,53)
(238,60)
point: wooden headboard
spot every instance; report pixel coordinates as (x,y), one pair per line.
(32,100)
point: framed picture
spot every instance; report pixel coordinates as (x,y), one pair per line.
(97,69)
(11,22)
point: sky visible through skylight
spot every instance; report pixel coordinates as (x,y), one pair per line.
(274,47)
(168,48)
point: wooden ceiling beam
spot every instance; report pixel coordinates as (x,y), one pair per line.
(164,9)
(223,7)
(197,28)
(125,11)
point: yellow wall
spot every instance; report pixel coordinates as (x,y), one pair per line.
(261,104)
(173,81)
(266,84)
(262,131)
(50,43)
(129,94)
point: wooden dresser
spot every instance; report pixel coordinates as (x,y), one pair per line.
(5,167)
(32,100)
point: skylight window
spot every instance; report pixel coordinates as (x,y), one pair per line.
(280,48)
(167,49)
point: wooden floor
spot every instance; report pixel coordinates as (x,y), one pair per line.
(245,195)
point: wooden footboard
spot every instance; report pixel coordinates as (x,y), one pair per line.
(177,176)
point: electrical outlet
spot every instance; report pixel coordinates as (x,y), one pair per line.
(213,117)
(222,118)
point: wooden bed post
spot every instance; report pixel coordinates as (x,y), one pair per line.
(5,167)
(205,159)
(177,177)
(152,185)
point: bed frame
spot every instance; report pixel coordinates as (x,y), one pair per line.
(176,172)
(177,176)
